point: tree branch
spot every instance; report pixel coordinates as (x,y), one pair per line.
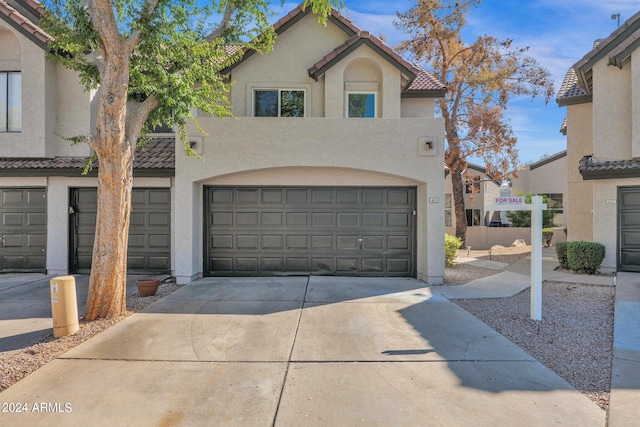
(225,23)
(137,115)
(134,38)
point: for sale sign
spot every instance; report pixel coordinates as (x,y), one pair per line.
(513,200)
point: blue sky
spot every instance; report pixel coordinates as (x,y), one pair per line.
(558,32)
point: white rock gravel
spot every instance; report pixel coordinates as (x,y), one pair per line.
(17,365)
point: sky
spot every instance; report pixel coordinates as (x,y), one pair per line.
(558,33)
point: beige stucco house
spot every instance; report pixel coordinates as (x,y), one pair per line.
(348,181)
(331,165)
(546,177)
(602,96)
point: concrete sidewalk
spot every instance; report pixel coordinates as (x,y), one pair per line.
(319,351)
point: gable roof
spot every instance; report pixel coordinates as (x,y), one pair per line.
(618,47)
(418,81)
(547,160)
(157,158)
(24,15)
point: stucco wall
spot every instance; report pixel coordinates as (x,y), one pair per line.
(299,48)
(580,193)
(53,101)
(612,120)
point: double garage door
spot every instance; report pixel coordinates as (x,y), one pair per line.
(149,248)
(364,231)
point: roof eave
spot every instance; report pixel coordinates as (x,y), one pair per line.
(573,100)
(434,93)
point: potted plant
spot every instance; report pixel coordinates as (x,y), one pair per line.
(147,287)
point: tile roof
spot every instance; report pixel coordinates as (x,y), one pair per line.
(547,160)
(419,79)
(20,19)
(592,169)
(158,154)
(563,127)
(570,90)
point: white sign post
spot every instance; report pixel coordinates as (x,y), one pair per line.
(536,207)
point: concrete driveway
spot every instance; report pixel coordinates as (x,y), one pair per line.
(318,351)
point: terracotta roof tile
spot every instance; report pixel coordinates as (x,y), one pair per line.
(159,153)
(563,127)
(570,87)
(25,24)
(592,169)
(425,81)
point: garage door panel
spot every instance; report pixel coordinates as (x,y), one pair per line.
(317,230)
(23,227)
(149,246)
(629,229)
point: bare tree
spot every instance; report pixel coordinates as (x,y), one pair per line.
(480,78)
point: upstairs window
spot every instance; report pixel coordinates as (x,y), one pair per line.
(10,101)
(278,103)
(361,104)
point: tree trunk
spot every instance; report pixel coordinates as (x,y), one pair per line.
(108,280)
(115,151)
(458,203)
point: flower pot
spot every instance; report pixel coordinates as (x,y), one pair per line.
(147,287)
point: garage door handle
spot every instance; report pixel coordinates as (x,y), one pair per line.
(360,243)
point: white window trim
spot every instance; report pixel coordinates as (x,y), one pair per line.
(252,95)
(360,92)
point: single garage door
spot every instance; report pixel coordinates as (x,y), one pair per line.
(320,230)
(149,230)
(629,228)
(23,230)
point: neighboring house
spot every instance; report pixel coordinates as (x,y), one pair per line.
(602,96)
(332,164)
(47,206)
(475,200)
(546,177)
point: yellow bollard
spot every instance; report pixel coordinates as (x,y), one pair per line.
(64,306)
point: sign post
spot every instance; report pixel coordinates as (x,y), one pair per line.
(536,207)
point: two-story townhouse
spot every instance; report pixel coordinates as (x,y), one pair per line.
(47,207)
(332,164)
(602,95)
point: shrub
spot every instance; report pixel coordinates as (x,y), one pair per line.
(561,252)
(547,236)
(585,257)
(451,246)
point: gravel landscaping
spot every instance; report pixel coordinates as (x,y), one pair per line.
(574,339)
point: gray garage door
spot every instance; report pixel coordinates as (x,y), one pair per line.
(329,230)
(629,228)
(23,212)
(149,232)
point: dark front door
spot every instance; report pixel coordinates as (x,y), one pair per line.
(149,248)
(364,231)
(629,229)
(23,229)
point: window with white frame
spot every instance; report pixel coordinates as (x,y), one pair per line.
(361,105)
(10,101)
(278,103)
